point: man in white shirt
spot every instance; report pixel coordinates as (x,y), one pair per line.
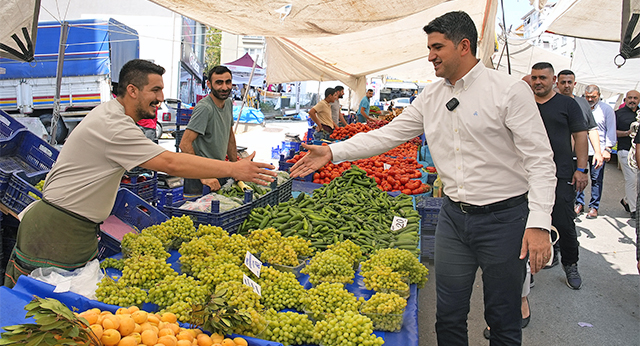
(491,149)
(605,118)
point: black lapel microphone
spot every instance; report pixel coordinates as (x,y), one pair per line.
(452,104)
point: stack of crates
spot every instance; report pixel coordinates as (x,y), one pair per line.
(183,115)
(142,182)
(429,208)
(25,159)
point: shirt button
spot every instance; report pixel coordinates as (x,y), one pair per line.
(457,149)
(460,187)
(455,130)
(459,168)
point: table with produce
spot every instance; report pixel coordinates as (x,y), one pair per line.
(336,266)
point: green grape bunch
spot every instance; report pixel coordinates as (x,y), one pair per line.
(385,310)
(280,290)
(383,279)
(329,266)
(240,295)
(346,328)
(145,271)
(288,328)
(116,293)
(136,244)
(181,288)
(173,232)
(112,263)
(260,237)
(257,327)
(328,298)
(401,261)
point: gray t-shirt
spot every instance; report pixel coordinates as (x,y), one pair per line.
(87,174)
(586,112)
(335,111)
(213,126)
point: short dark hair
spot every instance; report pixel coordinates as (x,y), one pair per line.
(369,90)
(566,73)
(329,91)
(339,88)
(136,72)
(456,26)
(542,66)
(219,69)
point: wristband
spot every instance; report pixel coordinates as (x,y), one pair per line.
(581,170)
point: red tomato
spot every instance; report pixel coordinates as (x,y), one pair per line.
(407,192)
(316,176)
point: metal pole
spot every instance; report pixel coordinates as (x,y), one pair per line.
(64,30)
(506,34)
(244,97)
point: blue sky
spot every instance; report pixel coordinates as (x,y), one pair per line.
(513,11)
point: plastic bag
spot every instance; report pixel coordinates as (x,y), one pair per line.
(82,281)
(203,204)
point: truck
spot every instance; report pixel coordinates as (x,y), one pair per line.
(95,52)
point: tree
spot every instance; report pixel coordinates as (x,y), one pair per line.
(212,50)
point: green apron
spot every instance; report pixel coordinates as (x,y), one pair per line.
(50,236)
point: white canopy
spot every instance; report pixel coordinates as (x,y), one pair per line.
(19,20)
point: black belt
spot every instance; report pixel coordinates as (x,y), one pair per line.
(490,208)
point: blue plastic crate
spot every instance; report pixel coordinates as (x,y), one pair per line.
(133,211)
(183,115)
(24,151)
(310,133)
(286,166)
(288,146)
(270,198)
(163,195)
(284,191)
(147,189)
(429,208)
(8,125)
(229,220)
(428,245)
(17,197)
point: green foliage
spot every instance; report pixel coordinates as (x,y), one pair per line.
(217,316)
(212,50)
(55,325)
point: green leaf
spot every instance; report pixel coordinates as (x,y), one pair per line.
(74,332)
(17,337)
(47,320)
(49,339)
(54,325)
(226,322)
(36,339)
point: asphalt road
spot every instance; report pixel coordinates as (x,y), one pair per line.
(609,299)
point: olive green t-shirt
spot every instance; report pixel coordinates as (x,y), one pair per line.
(213,125)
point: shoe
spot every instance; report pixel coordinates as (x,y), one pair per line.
(625,205)
(593,213)
(531,283)
(526,320)
(574,281)
(633,214)
(555,262)
(578,209)
(487,333)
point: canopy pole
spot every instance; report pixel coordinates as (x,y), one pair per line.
(244,97)
(506,34)
(64,30)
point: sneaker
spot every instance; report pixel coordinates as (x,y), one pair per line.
(574,281)
(625,205)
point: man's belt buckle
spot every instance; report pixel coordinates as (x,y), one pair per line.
(464,205)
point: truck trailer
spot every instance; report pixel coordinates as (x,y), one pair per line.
(95,52)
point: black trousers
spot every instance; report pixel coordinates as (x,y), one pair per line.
(563,219)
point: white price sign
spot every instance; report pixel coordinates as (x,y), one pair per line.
(247,281)
(398,223)
(252,263)
(386,166)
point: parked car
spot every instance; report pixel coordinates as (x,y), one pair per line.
(166,114)
(400,102)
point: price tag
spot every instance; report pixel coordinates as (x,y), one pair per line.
(247,281)
(398,223)
(386,166)
(252,263)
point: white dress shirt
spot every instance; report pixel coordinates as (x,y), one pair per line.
(491,147)
(605,118)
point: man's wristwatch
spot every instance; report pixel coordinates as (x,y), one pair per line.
(581,170)
(608,150)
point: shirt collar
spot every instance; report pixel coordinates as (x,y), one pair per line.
(470,77)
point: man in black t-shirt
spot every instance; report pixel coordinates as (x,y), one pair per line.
(563,119)
(624,117)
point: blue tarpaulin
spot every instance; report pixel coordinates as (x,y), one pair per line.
(250,115)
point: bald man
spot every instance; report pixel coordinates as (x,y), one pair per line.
(624,117)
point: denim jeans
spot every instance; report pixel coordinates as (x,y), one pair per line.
(597,178)
(491,241)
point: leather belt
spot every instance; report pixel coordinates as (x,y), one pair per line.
(490,208)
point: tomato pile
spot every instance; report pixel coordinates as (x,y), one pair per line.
(350,130)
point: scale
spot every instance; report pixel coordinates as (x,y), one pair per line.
(291,137)
(166,181)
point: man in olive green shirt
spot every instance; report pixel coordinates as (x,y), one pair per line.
(209,132)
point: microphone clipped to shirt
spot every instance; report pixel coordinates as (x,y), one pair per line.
(452,104)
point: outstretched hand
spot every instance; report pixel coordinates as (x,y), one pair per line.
(536,242)
(317,157)
(255,172)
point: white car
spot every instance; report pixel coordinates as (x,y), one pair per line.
(166,115)
(400,102)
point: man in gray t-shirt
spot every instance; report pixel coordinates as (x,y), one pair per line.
(336,114)
(209,132)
